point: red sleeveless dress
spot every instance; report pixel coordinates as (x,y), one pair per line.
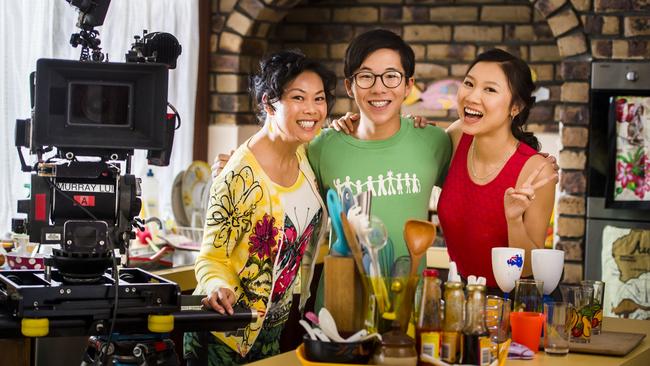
(472,216)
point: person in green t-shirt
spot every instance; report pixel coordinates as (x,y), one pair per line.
(385,154)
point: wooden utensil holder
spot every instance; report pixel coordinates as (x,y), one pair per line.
(344,294)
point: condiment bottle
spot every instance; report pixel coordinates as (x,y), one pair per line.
(476,344)
(453,323)
(428,332)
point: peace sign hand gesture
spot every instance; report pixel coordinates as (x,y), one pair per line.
(516,201)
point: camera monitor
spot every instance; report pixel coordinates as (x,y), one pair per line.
(89,106)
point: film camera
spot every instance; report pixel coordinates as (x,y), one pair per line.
(89,116)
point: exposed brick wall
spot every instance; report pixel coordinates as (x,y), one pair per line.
(445,35)
(558,38)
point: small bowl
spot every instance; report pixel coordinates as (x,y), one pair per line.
(26,261)
(333,352)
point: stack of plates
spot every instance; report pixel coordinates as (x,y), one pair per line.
(190,193)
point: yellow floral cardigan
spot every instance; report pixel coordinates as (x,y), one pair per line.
(243,228)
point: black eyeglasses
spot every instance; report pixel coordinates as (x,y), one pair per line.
(366,79)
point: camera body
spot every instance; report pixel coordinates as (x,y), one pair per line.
(93,115)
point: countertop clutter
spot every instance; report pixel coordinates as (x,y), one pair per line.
(640,356)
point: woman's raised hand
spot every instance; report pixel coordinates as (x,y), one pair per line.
(516,201)
(220,300)
(347,123)
(419,121)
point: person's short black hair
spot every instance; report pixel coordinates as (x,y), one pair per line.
(371,41)
(279,69)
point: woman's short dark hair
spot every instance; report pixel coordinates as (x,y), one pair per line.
(521,85)
(371,41)
(279,69)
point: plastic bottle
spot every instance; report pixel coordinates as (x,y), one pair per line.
(150,196)
(428,332)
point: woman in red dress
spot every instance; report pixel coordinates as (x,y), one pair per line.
(499,191)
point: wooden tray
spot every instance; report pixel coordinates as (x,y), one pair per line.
(609,343)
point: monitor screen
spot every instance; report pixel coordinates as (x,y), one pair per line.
(99,104)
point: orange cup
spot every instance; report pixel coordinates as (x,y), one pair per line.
(527,328)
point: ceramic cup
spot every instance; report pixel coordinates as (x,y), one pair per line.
(507,264)
(547,266)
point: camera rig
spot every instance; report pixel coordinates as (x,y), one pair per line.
(88,118)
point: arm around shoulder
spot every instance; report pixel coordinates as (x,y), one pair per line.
(455,131)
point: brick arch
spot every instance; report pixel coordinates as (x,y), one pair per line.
(239,43)
(245,32)
(565,25)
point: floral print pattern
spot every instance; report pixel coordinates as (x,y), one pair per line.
(631,173)
(293,249)
(233,211)
(263,240)
(631,149)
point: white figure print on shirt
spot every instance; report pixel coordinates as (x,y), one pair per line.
(391,184)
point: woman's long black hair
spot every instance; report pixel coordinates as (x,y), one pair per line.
(521,85)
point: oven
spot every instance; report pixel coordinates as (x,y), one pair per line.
(617,238)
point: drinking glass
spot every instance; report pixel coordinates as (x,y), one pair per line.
(556,327)
(547,266)
(581,313)
(596,304)
(528,295)
(497,317)
(497,320)
(507,264)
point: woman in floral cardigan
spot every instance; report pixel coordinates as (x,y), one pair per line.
(265,215)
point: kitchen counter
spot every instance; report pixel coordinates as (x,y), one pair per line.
(183,276)
(640,356)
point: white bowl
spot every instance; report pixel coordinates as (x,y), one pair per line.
(507,264)
(547,266)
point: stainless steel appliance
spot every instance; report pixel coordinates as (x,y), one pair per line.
(608,80)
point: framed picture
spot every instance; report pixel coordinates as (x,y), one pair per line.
(628,178)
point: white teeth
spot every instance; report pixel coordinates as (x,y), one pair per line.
(379,103)
(306,124)
(472,112)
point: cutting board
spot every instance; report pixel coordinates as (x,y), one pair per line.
(609,343)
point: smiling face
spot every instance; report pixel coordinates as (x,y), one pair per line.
(379,104)
(484,100)
(300,113)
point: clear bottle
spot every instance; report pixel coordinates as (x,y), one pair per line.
(476,344)
(428,332)
(454,321)
(150,196)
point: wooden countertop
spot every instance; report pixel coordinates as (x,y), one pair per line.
(640,356)
(183,276)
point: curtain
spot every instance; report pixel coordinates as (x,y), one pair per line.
(33,29)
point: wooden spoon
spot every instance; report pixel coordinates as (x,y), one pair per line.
(419,236)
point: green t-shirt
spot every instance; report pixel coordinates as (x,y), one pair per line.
(399,171)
